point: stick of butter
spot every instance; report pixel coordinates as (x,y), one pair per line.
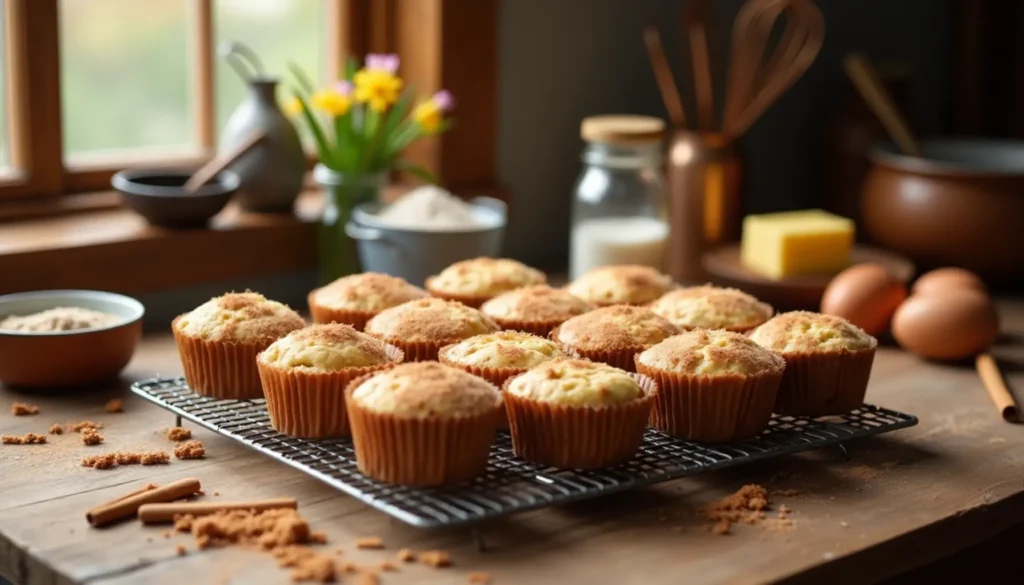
(777,245)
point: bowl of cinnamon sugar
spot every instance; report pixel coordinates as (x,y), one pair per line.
(56,338)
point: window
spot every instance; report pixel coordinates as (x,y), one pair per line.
(88,87)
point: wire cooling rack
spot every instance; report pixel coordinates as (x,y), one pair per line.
(510,484)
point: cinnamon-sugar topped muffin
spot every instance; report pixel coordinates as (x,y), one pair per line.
(504,349)
(621,284)
(613,334)
(710,352)
(804,331)
(475,281)
(712,307)
(420,328)
(325,347)
(426,389)
(242,317)
(535,309)
(363,295)
(577,383)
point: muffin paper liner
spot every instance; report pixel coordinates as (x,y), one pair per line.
(421,452)
(312,404)
(322,314)
(579,437)
(220,369)
(727,407)
(824,383)
(496,376)
(541,328)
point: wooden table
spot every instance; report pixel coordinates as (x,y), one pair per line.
(902,500)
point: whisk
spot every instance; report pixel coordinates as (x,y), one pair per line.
(757,77)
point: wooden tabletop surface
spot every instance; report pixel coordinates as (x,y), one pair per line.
(901,500)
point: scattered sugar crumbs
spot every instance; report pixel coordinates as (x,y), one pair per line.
(109,460)
(22,409)
(435,558)
(370,543)
(79,427)
(748,506)
(105,461)
(56,429)
(180,550)
(26,439)
(114,405)
(479,578)
(388,567)
(179,434)
(367,578)
(91,437)
(406,555)
(190,450)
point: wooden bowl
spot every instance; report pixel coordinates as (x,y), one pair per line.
(797,292)
(68,358)
(961,205)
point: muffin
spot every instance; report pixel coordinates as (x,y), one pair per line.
(496,357)
(613,335)
(355,299)
(578,414)
(712,307)
(422,424)
(305,373)
(621,285)
(828,362)
(472,282)
(420,328)
(218,342)
(713,385)
(534,309)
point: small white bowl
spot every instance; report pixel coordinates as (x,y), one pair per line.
(68,358)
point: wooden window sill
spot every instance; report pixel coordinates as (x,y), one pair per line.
(116,250)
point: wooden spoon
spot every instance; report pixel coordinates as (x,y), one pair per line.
(208,171)
(867,82)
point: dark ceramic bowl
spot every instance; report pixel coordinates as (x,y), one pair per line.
(157,195)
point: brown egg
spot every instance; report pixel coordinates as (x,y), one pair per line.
(943,279)
(866,295)
(946,325)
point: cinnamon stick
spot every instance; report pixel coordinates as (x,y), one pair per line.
(126,506)
(1001,396)
(141,490)
(157,513)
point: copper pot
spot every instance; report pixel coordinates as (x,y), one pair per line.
(962,204)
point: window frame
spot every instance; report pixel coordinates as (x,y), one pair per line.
(462,60)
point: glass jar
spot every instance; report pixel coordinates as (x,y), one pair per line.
(620,204)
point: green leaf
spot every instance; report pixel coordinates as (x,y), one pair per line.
(416,170)
(406,133)
(351,66)
(347,145)
(323,146)
(304,81)
(398,113)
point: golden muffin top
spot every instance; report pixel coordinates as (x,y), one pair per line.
(484,277)
(576,383)
(712,307)
(426,389)
(326,348)
(429,319)
(803,331)
(621,284)
(710,352)
(536,303)
(246,317)
(618,326)
(504,349)
(370,291)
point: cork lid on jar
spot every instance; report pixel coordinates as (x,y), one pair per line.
(622,129)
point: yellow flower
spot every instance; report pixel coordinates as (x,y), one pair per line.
(376,87)
(331,102)
(428,115)
(293,107)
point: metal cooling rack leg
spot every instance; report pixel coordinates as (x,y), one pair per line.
(478,540)
(844,451)
(177,420)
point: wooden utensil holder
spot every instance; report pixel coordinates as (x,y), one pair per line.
(704,173)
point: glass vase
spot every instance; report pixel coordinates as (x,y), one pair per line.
(337,254)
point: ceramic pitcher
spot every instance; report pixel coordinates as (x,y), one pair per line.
(272,171)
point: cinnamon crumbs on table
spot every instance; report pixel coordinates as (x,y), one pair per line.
(26,439)
(154,458)
(22,409)
(478,578)
(370,542)
(318,537)
(181,550)
(183,523)
(406,555)
(114,405)
(435,558)
(56,429)
(78,427)
(128,458)
(367,578)
(388,567)
(105,461)
(349,567)
(91,437)
(190,450)
(748,506)
(179,434)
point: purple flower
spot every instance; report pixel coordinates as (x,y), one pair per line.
(383,62)
(343,87)
(444,100)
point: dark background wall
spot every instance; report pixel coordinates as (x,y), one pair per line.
(562,60)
